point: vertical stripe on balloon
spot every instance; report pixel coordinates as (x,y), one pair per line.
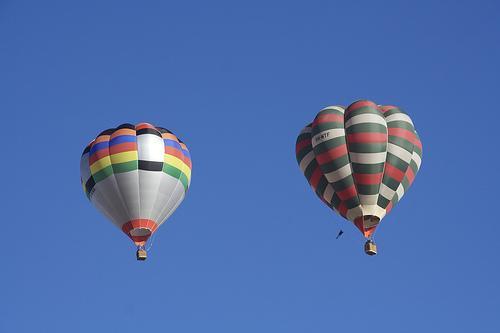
(399,152)
(331,153)
(312,171)
(366,132)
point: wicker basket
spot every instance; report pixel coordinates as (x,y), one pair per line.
(370,248)
(141,254)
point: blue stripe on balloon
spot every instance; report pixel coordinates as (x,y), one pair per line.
(186,153)
(98,146)
(172,143)
(122,139)
(176,145)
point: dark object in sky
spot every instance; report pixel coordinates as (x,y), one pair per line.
(339,234)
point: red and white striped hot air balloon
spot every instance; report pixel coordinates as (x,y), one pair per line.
(360,161)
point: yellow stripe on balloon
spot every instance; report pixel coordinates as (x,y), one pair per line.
(125,156)
(179,164)
(100,164)
(106,161)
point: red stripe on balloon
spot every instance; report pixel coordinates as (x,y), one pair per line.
(315,178)
(98,155)
(410,175)
(332,154)
(386,108)
(343,208)
(368,137)
(149,225)
(329,118)
(302,144)
(358,222)
(139,223)
(394,172)
(347,193)
(359,104)
(174,152)
(417,142)
(144,125)
(388,208)
(123,147)
(367,178)
(402,133)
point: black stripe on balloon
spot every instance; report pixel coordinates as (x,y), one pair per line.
(150,165)
(86,150)
(148,131)
(109,131)
(89,185)
(163,130)
(127,126)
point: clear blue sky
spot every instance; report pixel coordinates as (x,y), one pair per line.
(251,249)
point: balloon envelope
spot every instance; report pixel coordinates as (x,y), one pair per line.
(136,175)
(360,160)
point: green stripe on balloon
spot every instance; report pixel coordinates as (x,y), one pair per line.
(125,166)
(176,173)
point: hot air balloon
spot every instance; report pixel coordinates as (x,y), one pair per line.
(136,175)
(360,161)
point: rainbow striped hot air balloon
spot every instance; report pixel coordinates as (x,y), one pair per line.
(360,161)
(136,175)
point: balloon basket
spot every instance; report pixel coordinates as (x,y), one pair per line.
(370,248)
(141,254)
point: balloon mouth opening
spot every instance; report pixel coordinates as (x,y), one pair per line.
(139,230)
(370,221)
(140,235)
(367,224)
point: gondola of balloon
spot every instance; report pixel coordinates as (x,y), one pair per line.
(360,161)
(137,176)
